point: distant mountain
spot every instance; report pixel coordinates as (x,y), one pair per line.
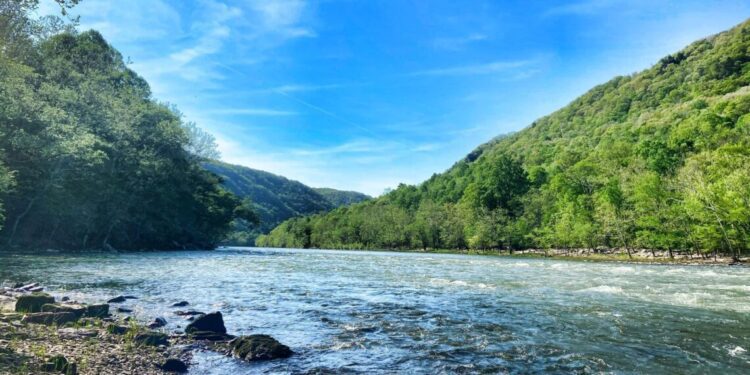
(340,198)
(276,198)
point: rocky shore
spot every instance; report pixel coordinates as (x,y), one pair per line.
(40,335)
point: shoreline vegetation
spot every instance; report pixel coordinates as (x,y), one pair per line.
(39,334)
(599,255)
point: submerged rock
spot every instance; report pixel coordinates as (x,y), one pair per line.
(212,322)
(259,347)
(174,365)
(151,339)
(158,322)
(33,302)
(49,318)
(188,313)
(118,299)
(180,304)
(124,310)
(210,336)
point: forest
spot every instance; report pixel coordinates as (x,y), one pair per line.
(88,159)
(655,160)
(274,198)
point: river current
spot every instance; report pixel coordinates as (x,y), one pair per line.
(387,312)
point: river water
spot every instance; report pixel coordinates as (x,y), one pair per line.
(385,312)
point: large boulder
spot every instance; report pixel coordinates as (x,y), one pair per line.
(151,339)
(212,322)
(259,347)
(49,318)
(32,303)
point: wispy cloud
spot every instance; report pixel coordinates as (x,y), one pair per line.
(457,43)
(250,112)
(585,7)
(479,69)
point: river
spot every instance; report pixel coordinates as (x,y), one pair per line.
(387,312)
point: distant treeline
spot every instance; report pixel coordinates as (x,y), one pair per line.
(655,160)
(88,159)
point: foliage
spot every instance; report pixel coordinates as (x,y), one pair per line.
(89,159)
(654,160)
(274,199)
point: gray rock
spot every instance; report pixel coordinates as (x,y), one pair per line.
(33,302)
(259,347)
(78,310)
(151,339)
(212,322)
(97,311)
(174,365)
(118,299)
(49,318)
(180,304)
(158,322)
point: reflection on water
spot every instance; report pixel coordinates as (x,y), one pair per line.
(373,312)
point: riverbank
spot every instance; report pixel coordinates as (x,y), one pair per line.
(587,255)
(41,335)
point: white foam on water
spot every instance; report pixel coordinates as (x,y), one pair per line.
(604,289)
(737,351)
(623,270)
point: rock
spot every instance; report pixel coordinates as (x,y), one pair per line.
(33,302)
(259,347)
(174,365)
(180,304)
(124,310)
(118,299)
(17,285)
(212,322)
(97,311)
(78,310)
(117,329)
(130,297)
(188,313)
(65,299)
(210,336)
(151,339)
(76,333)
(28,287)
(49,318)
(36,289)
(158,322)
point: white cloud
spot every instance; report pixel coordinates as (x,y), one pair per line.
(457,43)
(250,112)
(478,69)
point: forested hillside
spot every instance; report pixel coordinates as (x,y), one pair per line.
(89,158)
(275,198)
(655,160)
(340,198)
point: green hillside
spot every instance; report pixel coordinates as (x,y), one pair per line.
(275,198)
(655,160)
(340,198)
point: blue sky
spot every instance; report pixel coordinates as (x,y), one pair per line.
(363,95)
